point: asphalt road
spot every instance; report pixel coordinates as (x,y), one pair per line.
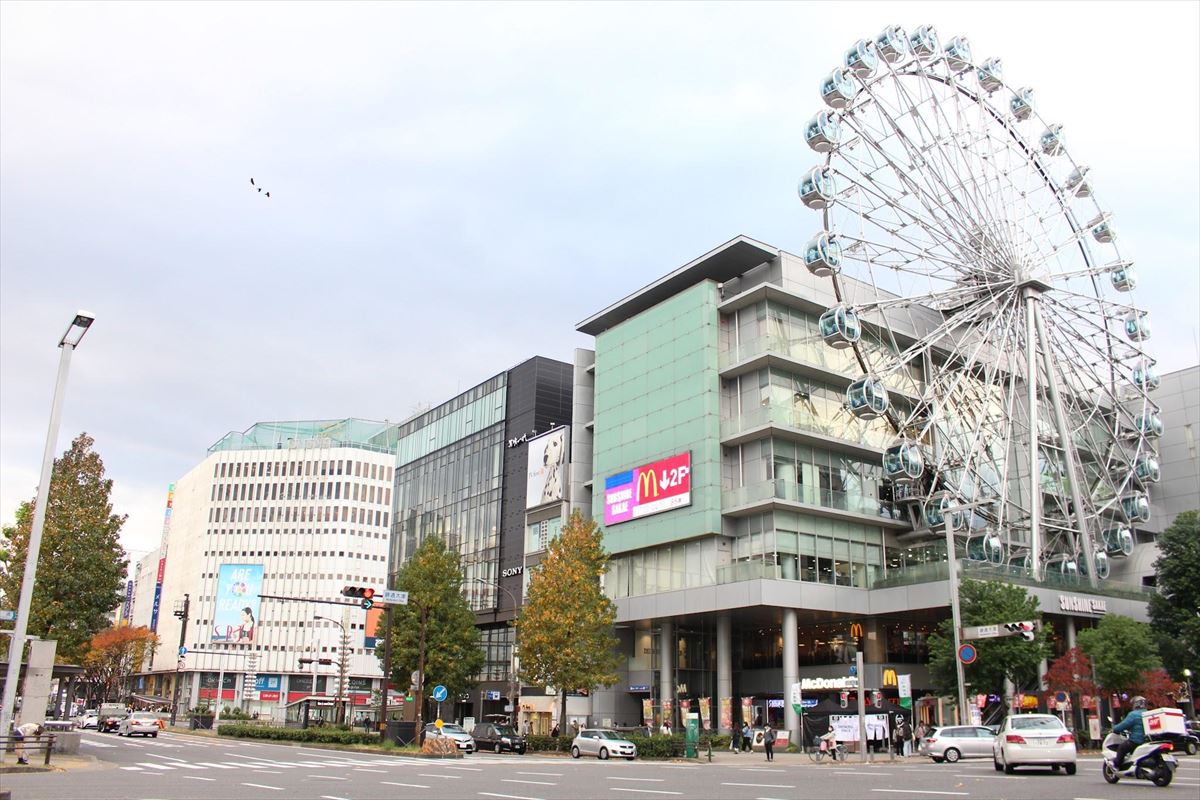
(181,767)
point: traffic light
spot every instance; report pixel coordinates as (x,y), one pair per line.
(1026,629)
(877,698)
(845,699)
(365,592)
(324,662)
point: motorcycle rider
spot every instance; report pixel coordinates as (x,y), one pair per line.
(1132,725)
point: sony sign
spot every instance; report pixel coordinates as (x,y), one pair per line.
(511,571)
(817,684)
(1084,605)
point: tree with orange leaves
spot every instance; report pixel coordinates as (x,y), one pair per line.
(115,655)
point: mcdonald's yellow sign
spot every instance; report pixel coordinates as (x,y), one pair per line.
(647,479)
(889,676)
(856,630)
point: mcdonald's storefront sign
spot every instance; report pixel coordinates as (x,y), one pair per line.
(856,631)
(889,676)
(649,489)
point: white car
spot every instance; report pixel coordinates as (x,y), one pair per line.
(141,723)
(602,744)
(462,740)
(1039,740)
(88,720)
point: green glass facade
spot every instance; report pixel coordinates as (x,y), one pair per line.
(657,395)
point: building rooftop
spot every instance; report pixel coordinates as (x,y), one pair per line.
(726,262)
(350,432)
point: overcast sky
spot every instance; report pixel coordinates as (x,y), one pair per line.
(453,187)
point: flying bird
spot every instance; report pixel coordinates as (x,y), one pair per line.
(258,188)
(252,181)
(268,194)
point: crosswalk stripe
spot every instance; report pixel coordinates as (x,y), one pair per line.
(216,766)
(153,765)
(132,769)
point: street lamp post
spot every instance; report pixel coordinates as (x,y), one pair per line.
(513,684)
(16,649)
(344,641)
(964,717)
(1187,676)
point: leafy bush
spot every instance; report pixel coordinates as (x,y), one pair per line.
(672,746)
(316,735)
(548,744)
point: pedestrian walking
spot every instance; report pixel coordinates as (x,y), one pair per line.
(666,727)
(735,741)
(747,737)
(769,742)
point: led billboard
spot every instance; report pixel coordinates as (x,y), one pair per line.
(236,614)
(547,474)
(649,489)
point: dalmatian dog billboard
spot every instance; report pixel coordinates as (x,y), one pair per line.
(547,468)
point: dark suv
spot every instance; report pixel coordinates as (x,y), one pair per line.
(498,738)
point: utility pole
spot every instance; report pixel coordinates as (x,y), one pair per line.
(387,670)
(344,666)
(182,614)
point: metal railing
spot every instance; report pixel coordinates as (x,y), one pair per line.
(29,744)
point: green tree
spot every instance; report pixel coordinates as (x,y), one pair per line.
(1011,657)
(81,566)
(1121,649)
(565,631)
(434,635)
(1175,609)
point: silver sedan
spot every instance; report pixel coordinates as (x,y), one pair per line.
(603,744)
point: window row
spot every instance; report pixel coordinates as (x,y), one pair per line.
(323,490)
(350,514)
(256,469)
(295,532)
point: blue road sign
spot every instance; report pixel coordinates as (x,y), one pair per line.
(967,653)
(440,693)
(853,671)
(182,652)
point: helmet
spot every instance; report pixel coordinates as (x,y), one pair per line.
(1138,702)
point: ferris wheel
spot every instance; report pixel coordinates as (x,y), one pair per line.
(987,306)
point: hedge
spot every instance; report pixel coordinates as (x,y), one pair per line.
(317,735)
(672,746)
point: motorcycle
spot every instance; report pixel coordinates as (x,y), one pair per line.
(1151,761)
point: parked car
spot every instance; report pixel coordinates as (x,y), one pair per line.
(1027,740)
(88,720)
(603,744)
(498,738)
(462,739)
(950,743)
(142,723)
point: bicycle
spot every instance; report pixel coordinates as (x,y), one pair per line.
(818,754)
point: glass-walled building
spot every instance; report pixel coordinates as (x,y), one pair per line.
(755,540)
(463,473)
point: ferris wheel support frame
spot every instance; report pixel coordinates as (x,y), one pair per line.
(1035,505)
(1069,457)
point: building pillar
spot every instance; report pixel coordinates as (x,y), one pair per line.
(1010,693)
(1070,626)
(873,643)
(666,665)
(791,672)
(1043,668)
(724,665)
(195,689)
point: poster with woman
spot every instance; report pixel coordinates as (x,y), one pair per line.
(236,613)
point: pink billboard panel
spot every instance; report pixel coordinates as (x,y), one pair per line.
(649,489)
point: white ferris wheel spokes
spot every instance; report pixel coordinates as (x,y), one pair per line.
(982,294)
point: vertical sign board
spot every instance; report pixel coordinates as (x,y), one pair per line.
(546,468)
(236,614)
(162,561)
(904,686)
(127,609)
(649,489)
(372,628)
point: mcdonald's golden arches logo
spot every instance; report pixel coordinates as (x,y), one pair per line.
(889,676)
(646,479)
(856,630)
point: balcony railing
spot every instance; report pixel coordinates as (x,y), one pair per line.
(781,489)
(845,426)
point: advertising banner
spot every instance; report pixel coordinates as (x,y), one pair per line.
(705,713)
(647,711)
(904,686)
(547,474)
(845,727)
(726,704)
(127,609)
(238,588)
(373,629)
(649,489)
(667,709)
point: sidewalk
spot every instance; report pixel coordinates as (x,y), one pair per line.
(58,763)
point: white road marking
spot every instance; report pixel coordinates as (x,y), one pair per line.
(406,785)
(168,758)
(198,778)
(98,744)
(920,791)
(699,768)
(761,769)
(264,786)
(214,766)
(761,785)
(509,796)
(644,780)
(268,772)
(132,769)
(333,797)
(641,791)
(858,772)
(444,777)
(328,777)
(365,769)
(536,783)
(153,765)
(542,774)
